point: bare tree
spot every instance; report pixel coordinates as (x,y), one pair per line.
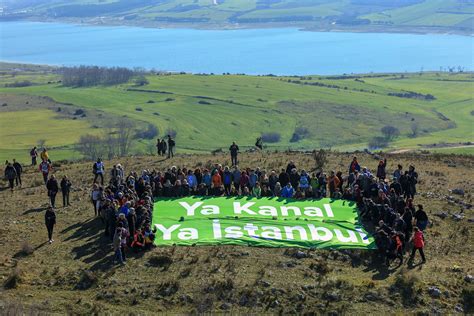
(320,158)
(124,134)
(151,147)
(90,146)
(390,132)
(41,143)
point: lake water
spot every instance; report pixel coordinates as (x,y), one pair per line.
(281,51)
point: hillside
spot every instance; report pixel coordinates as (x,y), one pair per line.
(453,16)
(341,112)
(74,275)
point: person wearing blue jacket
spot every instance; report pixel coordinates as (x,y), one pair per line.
(227,180)
(206,178)
(287,191)
(192,180)
(253,178)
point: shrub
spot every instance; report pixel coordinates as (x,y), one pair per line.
(468,299)
(150,133)
(378,142)
(163,262)
(13,279)
(19,84)
(141,81)
(271,137)
(171,132)
(390,132)
(79,112)
(405,284)
(87,280)
(26,250)
(299,134)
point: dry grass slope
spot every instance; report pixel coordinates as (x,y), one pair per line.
(74,275)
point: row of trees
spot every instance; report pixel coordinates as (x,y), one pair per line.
(86,76)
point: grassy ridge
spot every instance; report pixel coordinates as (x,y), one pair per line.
(374,15)
(209,112)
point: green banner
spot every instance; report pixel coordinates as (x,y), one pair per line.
(263,222)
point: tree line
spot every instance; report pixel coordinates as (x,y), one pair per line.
(86,76)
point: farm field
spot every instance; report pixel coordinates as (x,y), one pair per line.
(339,112)
(423,16)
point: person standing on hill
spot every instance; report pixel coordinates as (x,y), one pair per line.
(33,155)
(412,180)
(45,168)
(418,244)
(259,143)
(164,147)
(234,150)
(65,190)
(98,169)
(171,145)
(10,175)
(45,155)
(381,172)
(354,166)
(398,173)
(53,188)
(159,147)
(421,218)
(333,182)
(19,170)
(50,221)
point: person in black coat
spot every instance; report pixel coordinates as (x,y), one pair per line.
(171,145)
(19,170)
(65,189)
(53,188)
(10,175)
(50,221)
(234,150)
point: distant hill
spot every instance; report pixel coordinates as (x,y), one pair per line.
(358,15)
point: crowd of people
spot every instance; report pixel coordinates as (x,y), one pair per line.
(385,201)
(125,202)
(125,207)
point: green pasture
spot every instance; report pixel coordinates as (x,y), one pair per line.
(406,16)
(427,13)
(21,130)
(209,112)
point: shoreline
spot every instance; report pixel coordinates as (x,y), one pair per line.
(4,63)
(250,26)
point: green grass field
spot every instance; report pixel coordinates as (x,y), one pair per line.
(209,112)
(356,15)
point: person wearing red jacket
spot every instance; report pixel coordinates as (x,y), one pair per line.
(418,244)
(138,242)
